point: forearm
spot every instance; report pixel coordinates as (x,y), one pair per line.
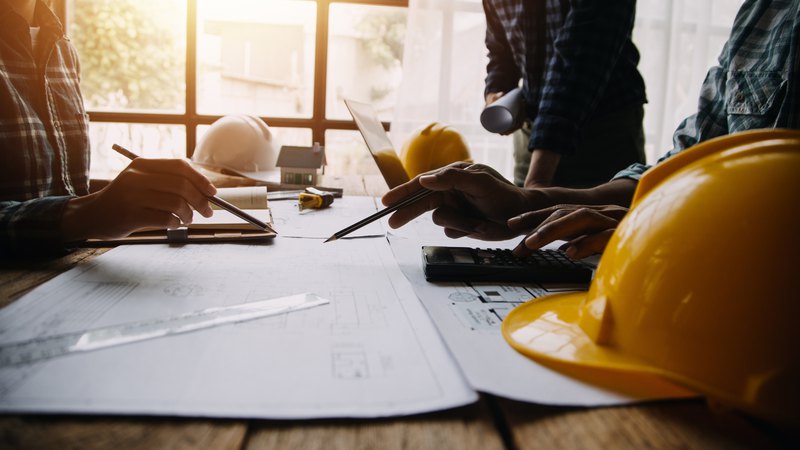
(617,192)
(542,170)
(79,220)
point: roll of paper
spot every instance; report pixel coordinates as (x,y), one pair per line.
(504,115)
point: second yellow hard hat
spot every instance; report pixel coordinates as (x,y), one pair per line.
(433,147)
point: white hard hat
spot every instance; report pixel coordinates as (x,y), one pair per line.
(239,145)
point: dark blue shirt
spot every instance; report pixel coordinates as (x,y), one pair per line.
(575,58)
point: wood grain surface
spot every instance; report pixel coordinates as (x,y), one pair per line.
(491,424)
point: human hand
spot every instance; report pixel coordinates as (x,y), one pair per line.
(470,200)
(586,229)
(493,97)
(149,193)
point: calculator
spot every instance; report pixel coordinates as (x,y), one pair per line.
(493,265)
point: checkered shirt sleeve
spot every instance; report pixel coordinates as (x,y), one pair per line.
(756,84)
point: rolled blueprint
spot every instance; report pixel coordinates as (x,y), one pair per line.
(504,115)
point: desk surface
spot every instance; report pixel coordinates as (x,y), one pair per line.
(492,423)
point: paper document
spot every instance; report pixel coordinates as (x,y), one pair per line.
(52,346)
(322,223)
(371,352)
(469,315)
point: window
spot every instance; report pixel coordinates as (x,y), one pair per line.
(156,73)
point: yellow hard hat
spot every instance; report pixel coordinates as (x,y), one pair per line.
(698,285)
(433,147)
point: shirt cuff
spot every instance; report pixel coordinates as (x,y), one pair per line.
(633,172)
(33,226)
(555,134)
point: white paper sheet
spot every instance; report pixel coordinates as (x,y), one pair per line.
(371,352)
(469,318)
(289,221)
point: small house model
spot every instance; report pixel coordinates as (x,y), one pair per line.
(301,165)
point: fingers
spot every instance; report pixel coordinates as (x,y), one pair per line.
(177,168)
(447,217)
(473,191)
(568,224)
(457,225)
(151,218)
(410,187)
(152,178)
(410,212)
(493,97)
(588,245)
(399,193)
(170,204)
(404,215)
(530,220)
(454,234)
(162,186)
(474,180)
(579,222)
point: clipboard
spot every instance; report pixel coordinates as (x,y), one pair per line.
(222,227)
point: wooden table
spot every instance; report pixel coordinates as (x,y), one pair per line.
(492,423)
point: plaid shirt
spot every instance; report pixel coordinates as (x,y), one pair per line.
(43,132)
(756,83)
(575,58)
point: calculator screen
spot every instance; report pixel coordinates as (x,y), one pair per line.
(462,256)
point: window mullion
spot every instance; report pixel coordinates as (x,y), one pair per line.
(320,72)
(191,76)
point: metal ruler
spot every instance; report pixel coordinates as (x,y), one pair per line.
(42,348)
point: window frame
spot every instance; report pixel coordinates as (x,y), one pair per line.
(191,119)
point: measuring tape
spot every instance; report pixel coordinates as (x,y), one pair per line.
(314,198)
(42,348)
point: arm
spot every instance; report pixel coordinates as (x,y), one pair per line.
(31,227)
(710,120)
(149,193)
(588,229)
(586,52)
(502,73)
(474,200)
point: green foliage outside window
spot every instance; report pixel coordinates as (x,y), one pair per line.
(132,52)
(384,37)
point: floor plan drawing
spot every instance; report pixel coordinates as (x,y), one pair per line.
(482,307)
(372,351)
(469,317)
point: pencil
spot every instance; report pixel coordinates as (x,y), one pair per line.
(211,198)
(402,204)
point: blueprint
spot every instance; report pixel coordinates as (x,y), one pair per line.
(372,351)
(469,316)
(289,221)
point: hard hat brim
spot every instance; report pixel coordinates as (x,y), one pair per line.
(266,176)
(546,330)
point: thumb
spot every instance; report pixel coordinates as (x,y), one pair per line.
(473,183)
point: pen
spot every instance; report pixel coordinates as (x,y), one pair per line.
(211,198)
(402,204)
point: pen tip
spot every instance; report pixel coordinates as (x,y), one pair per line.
(332,238)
